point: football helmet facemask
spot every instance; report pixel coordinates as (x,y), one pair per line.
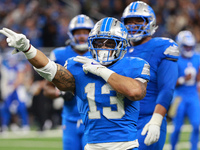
(186,42)
(79,22)
(108,41)
(139,9)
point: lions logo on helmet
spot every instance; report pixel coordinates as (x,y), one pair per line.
(144,11)
(79,22)
(186,42)
(108,41)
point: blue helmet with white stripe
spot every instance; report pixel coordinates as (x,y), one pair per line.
(108,41)
(140,9)
(186,42)
(79,22)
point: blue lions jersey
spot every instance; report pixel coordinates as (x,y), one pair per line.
(107,115)
(161,54)
(154,51)
(60,55)
(187,99)
(188,66)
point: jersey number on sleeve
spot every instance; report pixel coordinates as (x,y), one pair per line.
(107,112)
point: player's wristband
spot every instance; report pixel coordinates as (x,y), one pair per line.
(105,73)
(156,119)
(181,80)
(31,52)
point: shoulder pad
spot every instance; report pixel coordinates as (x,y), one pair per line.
(69,62)
(171,51)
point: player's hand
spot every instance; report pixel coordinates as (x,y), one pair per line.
(18,41)
(153,133)
(92,66)
(89,65)
(152,128)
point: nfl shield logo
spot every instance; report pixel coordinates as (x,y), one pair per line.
(131,50)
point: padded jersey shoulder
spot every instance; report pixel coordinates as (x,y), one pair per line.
(166,48)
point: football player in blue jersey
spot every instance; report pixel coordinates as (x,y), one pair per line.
(161,54)
(79,28)
(186,89)
(107,85)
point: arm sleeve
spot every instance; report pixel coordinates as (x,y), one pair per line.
(167,78)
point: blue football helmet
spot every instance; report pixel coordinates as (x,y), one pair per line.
(108,41)
(186,42)
(140,9)
(79,22)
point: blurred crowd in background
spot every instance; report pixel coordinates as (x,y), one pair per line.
(45,23)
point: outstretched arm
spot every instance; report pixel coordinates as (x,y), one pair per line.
(60,76)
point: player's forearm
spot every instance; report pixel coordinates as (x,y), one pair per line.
(160,110)
(50,90)
(40,60)
(131,88)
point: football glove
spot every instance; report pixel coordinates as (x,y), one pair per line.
(18,41)
(92,66)
(153,129)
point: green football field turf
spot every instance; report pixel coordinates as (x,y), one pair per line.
(52,140)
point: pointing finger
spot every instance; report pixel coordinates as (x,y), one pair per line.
(5,33)
(12,33)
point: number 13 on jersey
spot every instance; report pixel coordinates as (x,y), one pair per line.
(107,112)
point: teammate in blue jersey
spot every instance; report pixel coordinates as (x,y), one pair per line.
(79,28)
(161,54)
(107,85)
(186,91)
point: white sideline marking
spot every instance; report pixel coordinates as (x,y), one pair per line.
(31,134)
(58,133)
(31,144)
(180,146)
(184,128)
